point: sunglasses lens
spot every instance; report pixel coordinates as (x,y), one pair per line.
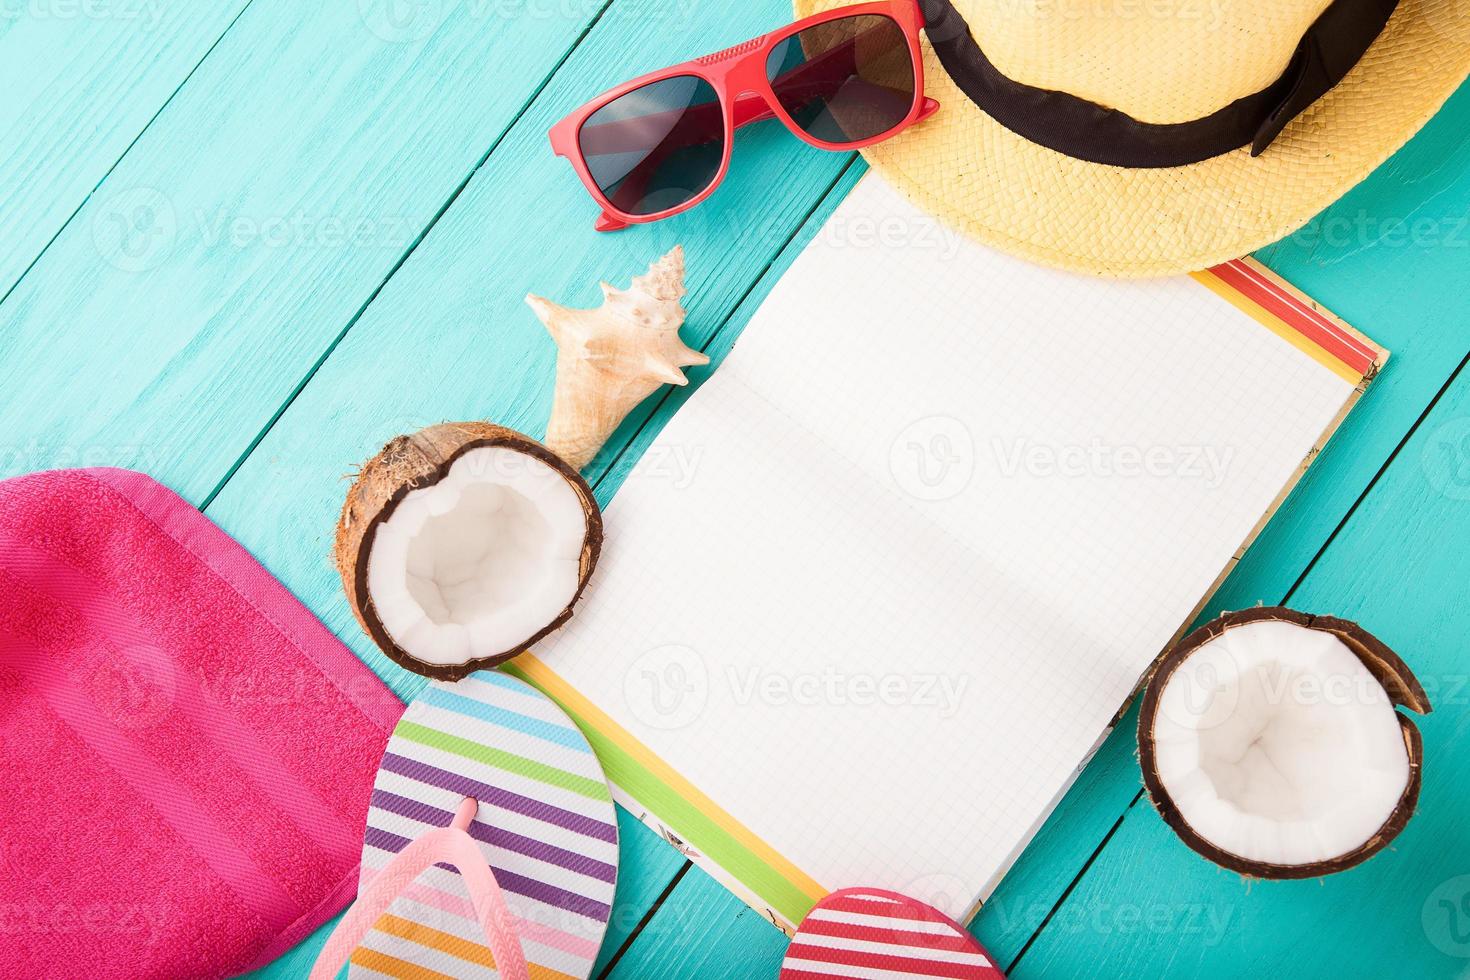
(658,146)
(847,80)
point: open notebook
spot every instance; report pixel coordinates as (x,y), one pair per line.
(879,588)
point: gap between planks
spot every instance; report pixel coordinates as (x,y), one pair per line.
(1285,600)
(643,922)
(403,259)
(800,226)
(123,155)
(611,464)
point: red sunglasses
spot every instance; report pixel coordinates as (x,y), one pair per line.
(660,144)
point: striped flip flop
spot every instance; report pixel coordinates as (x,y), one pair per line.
(870,934)
(492,843)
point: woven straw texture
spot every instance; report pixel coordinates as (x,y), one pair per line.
(1160,61)
(1045,206)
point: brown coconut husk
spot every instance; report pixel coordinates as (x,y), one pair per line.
(1386,667)
(422,459)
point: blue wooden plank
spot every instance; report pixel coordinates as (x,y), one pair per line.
(724,938)
(201,283)
(1029,894)
(646,863)
(1392,258)
(1397,567)
(1364,259)
(450,337)
(612,467)
(1373,289)
(81,81)
(136,420)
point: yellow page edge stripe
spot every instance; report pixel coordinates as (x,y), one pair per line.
(1276,325)
(698,820)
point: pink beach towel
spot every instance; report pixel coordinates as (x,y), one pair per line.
(186,754)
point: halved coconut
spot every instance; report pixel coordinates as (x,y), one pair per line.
(463,544)
(1269,742)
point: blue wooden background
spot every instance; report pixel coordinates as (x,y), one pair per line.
(243,242)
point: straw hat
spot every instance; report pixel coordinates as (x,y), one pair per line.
(1129,125)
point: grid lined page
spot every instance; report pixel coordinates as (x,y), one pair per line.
(880,586)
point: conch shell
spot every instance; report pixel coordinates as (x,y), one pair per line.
(610,359)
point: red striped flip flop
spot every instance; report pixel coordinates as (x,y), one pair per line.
(870,934)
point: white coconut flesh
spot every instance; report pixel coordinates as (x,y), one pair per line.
(483,560)
(1277,745)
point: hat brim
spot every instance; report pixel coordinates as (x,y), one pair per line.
(1023,198)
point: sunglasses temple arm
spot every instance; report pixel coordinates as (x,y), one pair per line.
(607,222)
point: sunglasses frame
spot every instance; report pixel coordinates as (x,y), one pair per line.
(738,76)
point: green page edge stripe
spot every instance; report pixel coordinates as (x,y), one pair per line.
(687,821)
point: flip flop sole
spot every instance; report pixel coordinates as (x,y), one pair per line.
(871,934)
(546,826)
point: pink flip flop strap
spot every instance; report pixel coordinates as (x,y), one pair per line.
(452,845)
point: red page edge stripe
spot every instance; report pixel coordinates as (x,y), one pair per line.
(1310,323)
